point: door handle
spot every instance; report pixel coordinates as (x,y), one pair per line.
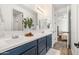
(76,45)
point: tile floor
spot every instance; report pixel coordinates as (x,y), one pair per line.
(53,52)
(60,48)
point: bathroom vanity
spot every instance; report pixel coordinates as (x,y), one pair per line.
(36,45)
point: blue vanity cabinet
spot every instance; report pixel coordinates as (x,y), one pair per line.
(22,49)
(41,45)
(49,42)
(37,47)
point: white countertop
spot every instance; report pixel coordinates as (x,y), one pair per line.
(7,42)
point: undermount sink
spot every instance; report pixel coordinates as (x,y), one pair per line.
(43,32)
(5,41)
(15,37)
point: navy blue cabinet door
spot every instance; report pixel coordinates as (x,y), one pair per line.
(32,51)
(49,42)
(41,45)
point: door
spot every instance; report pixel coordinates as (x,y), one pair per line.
(78,29)
(74,28)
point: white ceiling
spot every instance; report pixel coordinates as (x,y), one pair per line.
(56,6)
(59,6)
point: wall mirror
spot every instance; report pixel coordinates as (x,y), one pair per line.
(1,21)
(17,20)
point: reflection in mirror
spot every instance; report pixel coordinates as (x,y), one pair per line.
(43,21)
(2,26)
(1,22)
(1,18)
(43,24)
(17,20)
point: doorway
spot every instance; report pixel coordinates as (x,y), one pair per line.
(63,20)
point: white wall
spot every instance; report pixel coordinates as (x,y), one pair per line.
(7,13)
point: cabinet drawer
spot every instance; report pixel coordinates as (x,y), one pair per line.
(20,49)
(32,51)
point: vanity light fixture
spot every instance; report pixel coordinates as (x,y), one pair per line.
(39,10)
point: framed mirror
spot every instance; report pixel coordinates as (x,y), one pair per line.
(17,20)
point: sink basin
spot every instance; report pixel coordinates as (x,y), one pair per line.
(43,32)
(5,41)
(5,44)
(15,36)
